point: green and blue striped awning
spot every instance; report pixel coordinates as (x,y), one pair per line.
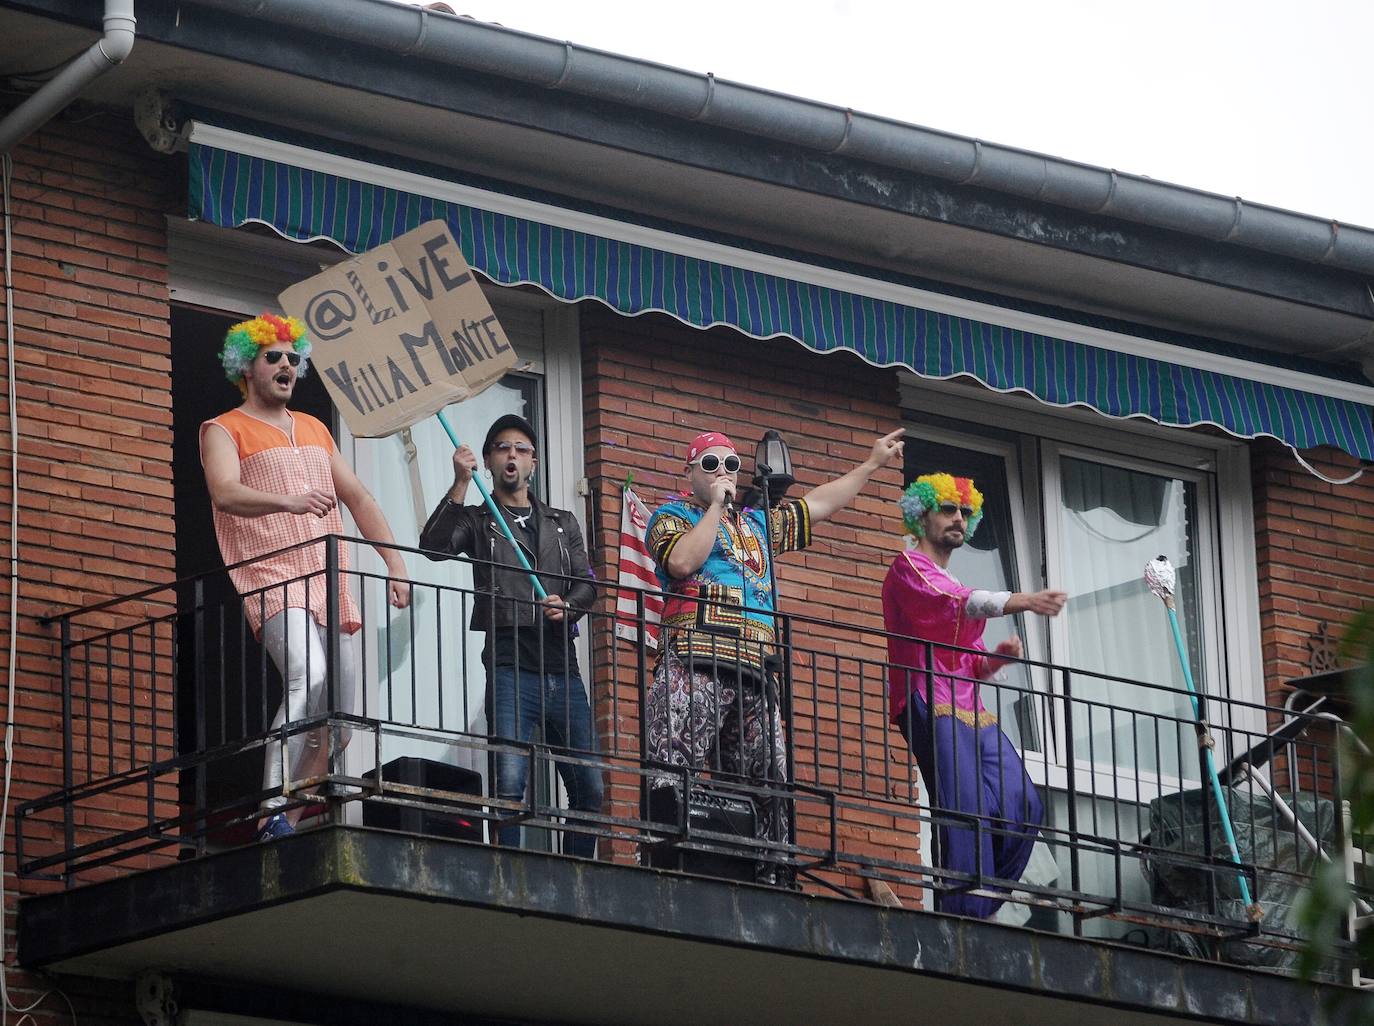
(230,189)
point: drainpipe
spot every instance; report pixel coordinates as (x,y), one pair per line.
(105,53)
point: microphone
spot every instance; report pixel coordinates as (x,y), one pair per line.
(730,505)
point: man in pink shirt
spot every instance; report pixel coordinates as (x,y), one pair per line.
(970,767)
(276,480)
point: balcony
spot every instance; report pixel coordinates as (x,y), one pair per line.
(167,710)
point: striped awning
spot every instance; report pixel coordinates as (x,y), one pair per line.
(230,188)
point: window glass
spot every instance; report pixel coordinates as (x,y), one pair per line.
(417,686)
(1112,521)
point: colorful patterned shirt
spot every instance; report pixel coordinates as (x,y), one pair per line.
(736,626)
(272,461)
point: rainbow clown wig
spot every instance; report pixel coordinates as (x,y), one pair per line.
(246,339)
(932,490)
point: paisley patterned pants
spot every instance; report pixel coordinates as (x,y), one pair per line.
(719,721)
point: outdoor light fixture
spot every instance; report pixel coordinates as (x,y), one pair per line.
(773,467)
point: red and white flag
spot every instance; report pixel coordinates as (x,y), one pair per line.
(636,574)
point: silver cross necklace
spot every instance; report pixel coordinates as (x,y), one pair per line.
(520,521)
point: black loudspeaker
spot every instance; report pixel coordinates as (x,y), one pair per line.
(711,808)
(437,821)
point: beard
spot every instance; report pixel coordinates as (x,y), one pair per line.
(509,479)
(273,394)
(949,540)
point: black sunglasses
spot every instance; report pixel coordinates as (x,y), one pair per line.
(710,463)
(950,508)
(275,355)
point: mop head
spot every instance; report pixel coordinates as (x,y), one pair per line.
(1159,577)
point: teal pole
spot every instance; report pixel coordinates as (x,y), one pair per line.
(496,512)
(1207,754)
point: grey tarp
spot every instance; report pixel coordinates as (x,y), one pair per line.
(1264,837)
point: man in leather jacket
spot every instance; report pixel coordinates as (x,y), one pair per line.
(532,674)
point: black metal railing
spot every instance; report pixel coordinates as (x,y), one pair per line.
(170,712)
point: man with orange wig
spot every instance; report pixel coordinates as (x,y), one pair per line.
(970,767)
(276,480)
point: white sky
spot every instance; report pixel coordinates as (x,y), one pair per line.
(1262,99)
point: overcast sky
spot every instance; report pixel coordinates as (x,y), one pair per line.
(1262,99)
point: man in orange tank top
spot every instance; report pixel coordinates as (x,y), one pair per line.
(276,480)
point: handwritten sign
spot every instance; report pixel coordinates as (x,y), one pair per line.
(401,331)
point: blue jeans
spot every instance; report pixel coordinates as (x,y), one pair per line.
(522,701)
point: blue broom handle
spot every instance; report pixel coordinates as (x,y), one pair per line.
(1207,754)
(495,512)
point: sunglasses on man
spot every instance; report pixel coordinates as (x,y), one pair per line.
(522,448)
(950,508)
(710,463)
(274,356)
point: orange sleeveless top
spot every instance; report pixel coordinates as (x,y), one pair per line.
(270,460)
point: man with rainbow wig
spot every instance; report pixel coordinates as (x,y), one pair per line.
(276,480)
(968,763)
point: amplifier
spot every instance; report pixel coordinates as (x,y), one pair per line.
(437,821)
(710,808)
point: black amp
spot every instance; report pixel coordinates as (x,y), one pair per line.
(712,808)
(445,817)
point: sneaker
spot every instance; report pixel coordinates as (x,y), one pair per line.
(276,826)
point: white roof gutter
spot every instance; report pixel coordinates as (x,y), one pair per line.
(507,53)
(109,51)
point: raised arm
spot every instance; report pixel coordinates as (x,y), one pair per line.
(825,500)
(228,494)
(449,528)
(690,551)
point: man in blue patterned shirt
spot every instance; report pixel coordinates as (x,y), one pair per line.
(713,704)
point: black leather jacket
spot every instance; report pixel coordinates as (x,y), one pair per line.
(472,531)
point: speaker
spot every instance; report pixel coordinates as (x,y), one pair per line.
(459,824)
(710,808)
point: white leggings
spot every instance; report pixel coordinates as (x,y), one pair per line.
(296,644)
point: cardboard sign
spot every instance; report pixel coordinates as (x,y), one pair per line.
(401,331)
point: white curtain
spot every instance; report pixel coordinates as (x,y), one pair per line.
(1114,520)
(410,683)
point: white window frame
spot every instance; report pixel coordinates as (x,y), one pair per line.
(1230,563)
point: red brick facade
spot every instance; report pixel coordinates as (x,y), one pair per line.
(1314,548)
(92,378)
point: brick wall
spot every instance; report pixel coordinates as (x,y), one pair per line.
(92,375)
(650,385)
(1314,545)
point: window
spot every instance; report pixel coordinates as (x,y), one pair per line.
(1106,517)
(1077,502)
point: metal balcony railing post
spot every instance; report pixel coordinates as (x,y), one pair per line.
(785,697)
(641,665)
(198,629)
(931,772)
(1071,791)
(1340,811)
(68,774)
(331,671)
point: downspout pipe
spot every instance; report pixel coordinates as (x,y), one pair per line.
(507,53)
(109,51)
